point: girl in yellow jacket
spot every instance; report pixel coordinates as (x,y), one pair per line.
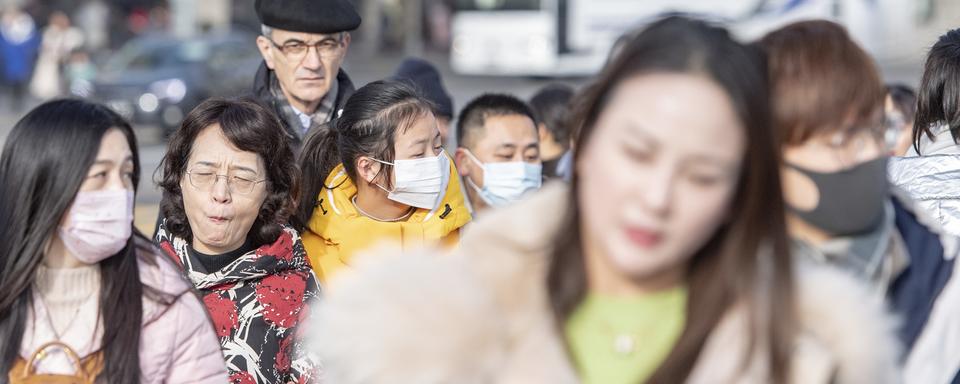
(378,174)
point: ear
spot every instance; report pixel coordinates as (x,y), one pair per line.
(367,169)
(462,162)
(346,42)
(544,133)
(265,47)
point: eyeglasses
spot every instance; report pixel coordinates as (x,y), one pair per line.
(204,180)
(855,145)
(297,50)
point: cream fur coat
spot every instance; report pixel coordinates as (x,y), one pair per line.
(481,316)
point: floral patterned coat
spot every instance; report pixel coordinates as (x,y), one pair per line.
(259,305)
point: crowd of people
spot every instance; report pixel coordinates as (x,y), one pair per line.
(706,210)
(45,56)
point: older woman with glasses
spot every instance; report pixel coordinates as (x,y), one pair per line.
(227,180)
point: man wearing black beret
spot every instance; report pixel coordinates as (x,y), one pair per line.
(303,43)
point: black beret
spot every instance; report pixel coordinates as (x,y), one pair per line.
(310,16)
(425,77)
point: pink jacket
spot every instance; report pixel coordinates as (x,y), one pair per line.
(177,342)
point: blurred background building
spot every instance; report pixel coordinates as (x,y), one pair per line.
(153,60)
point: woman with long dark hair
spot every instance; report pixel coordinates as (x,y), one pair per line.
(82,293)
(666,261)
(379,174)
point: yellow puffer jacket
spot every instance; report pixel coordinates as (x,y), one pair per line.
(337,231)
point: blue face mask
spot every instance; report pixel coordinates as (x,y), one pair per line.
(505,183)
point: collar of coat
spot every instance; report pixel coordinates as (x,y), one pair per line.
(284,254)
(484,311)
(336,219)
(267,90)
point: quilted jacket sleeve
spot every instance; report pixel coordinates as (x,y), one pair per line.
(197,357)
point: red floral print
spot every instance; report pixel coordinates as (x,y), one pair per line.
(282,362)
(282,298)
(168,250)
(223,312)
(282,249)
(242,378)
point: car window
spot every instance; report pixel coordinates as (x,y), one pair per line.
(228,55)
(141,56)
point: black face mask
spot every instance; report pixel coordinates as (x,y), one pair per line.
(851,200)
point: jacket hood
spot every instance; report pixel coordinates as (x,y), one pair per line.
(930,182)
(284,254)
(928,177)
(336,217)
(942,143)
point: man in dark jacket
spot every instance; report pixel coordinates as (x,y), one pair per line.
(827,109)
(303,43)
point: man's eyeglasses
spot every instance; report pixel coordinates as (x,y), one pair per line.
(297,50)
(205,180)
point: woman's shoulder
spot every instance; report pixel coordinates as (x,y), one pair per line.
(158,271)
(468,308)
(438,311)
(529,223)
(843,335)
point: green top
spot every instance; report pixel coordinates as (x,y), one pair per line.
(617,340)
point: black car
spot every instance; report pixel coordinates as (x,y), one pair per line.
(156,80)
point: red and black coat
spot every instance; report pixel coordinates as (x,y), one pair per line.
(259,304)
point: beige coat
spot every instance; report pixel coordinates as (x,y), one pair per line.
(482,316)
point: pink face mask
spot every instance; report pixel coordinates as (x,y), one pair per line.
(98,225)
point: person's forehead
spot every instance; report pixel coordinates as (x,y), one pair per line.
(423,127)
(114,145)
(212,146)
(515,127)
(499,131)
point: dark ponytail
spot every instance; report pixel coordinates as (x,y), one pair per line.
(318,156)
(367,127)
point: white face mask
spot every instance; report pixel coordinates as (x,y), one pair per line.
(505,183)
(98,225)
(419,182)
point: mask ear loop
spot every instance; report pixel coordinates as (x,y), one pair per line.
(474,158)
(479,163)
(378,185)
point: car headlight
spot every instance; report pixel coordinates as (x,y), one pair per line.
(148,102)
(172,90)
